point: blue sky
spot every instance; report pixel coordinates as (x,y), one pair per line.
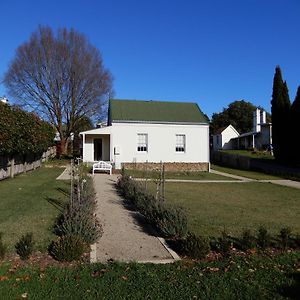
(210,52)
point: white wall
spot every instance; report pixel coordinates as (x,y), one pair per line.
(228,134)
(161,142)
(88,150)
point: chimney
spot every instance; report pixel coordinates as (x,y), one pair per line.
(263,118)
(256,120)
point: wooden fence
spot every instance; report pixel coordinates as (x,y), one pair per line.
(13,165)
(255,164)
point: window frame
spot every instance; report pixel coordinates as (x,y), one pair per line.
(180,146)
(142,146)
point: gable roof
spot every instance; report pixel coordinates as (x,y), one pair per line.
(155,112)
(220,130)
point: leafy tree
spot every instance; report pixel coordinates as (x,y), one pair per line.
(22,132)
(60,76)
(238,113)
(280,117)
(295,128)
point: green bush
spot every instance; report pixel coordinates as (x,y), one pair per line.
(24,247)
(171,221)
(79,217)
(297,241)
(264,239)
(23,132)
(3,247)
(247,240)
(224,243)
(285,237)
(68,248)
(195,246)
(76,222)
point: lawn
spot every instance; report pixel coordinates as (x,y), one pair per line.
(177,175)
(252,154)
(211,207)
(24,206)
(251,277)
(245,173)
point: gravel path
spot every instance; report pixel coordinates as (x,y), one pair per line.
(126,237)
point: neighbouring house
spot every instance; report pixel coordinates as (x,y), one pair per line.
(223,138)
(259,138)
(175,133)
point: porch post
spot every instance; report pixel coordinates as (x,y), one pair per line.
(83,146)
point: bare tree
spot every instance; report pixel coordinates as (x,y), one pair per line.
(61,76)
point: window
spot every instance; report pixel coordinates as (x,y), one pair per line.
(142,145)
(180,143)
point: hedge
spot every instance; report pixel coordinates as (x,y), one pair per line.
(23,132)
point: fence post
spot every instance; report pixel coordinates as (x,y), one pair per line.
(25,163)
(12,167)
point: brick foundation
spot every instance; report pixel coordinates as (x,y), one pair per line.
(169,167)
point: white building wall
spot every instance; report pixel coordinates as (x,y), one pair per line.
(88,147)
(161,143)
(228,134)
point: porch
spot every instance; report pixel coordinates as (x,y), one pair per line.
(96,145)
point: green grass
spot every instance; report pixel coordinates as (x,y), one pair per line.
(252,154)
(24,206)
(236,278)
(244,173)
(211,207)
(177,175)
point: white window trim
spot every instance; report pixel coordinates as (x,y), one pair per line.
(177,145)
(142,144)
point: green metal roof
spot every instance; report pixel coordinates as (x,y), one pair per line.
(155,111)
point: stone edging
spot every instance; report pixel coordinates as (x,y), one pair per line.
(172,252)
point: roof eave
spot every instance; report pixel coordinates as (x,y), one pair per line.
(159,122)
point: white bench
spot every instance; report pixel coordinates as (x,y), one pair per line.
(102,166)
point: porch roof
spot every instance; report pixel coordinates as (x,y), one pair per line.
(102,130)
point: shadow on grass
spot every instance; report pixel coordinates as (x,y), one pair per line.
(58,203)
(291,291)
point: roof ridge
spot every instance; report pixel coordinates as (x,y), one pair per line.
(151,100)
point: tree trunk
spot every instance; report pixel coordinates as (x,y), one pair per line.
(64,146)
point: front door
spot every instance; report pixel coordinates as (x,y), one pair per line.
(97,149)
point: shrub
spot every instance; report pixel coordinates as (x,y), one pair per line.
(263,238)
(170,221)
(24,247)
(79,218)
(224,243)
(76,222)
(2,247)
(195,246)
(297,241)
(285,237)
(68,248)
(247,240)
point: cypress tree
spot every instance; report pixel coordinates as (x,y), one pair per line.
(280,117)
(295,128)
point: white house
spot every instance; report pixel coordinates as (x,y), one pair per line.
(223,138)
(176,133)
(259,138)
